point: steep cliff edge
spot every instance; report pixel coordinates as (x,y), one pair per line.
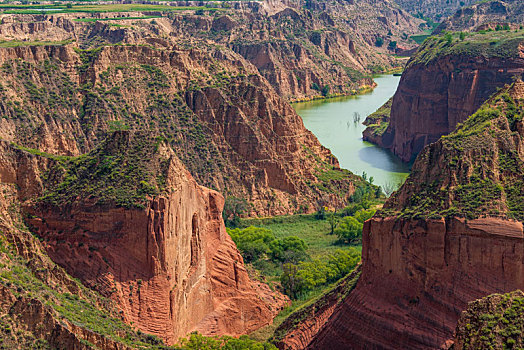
(130,222)
(444,83)
(450,235)
(41,306)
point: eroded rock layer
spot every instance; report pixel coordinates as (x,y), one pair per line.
(495,14)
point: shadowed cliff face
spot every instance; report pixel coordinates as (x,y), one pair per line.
(168,263)
(453,233)
(443,85)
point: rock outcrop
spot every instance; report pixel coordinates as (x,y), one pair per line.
(166,260)
(437,10)
(40,304)
(453,233)
(445,83)
(492,322)
(226,123)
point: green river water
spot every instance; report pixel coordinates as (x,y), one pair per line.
(332,122)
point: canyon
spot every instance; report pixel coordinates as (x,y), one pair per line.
(124,134)
(453,233)
(116,141)
(165,261)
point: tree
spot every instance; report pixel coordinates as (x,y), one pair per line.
(253,242)
(388,188)
(379,42)
(448,38)
(349,229)
(462,36)
(288,249)
(392,45)
(356,117)
(325,90)
(364,215)
(234,208)
(69,6)
(321,213)
(333,221)
(291,282)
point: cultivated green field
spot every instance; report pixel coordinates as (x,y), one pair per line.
(51,9)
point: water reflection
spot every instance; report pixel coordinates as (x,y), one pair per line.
(337,123)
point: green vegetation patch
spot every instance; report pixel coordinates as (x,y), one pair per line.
(125,170)
(82,8)
(112,19)
(17,43)
(378,121)
(500,44)
(494,322)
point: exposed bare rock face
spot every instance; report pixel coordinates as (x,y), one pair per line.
(40,304)
(226,123)
(293,44)
(452,234)
(297,335)
(166,260)
(485,15)
(443,85)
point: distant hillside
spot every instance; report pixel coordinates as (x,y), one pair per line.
(495,14)
(437,10)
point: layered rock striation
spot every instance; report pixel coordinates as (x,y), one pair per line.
(443,84)
(485,15)
(226,123)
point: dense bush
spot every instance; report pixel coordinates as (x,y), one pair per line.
(234,208)
(196,341)
(288,249)
(349,228)
(298,279)
(257,243)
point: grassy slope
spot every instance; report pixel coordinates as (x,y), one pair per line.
(314,232)
(500,44)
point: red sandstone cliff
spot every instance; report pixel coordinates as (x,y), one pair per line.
(227,125)
(170,267)
(443,85)
(418,276)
